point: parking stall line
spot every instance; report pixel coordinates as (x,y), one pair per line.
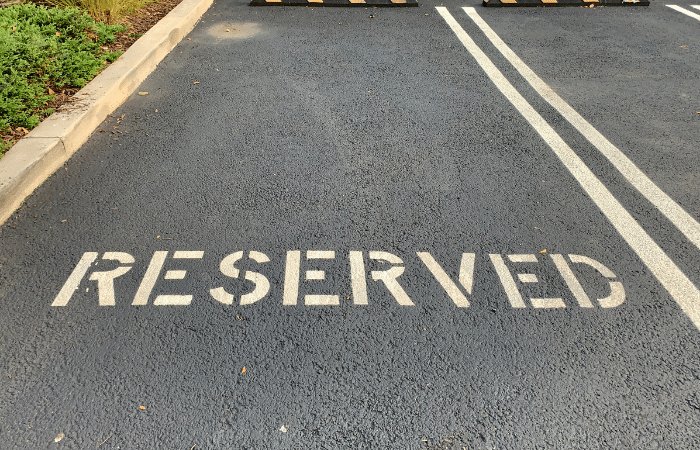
(685,223)
(685,11)
(664,269)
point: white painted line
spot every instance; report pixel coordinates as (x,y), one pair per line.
(320,254)
(514,297)
(357,275)
(671,277)
(173,300)
(672,210)
(315,275)
(696,6)
(571,281)
(685,11)
(547,303)
(188,255)
(74,279)
(466,271)
(445,281)
(389,277)
(523,258)
(291,278)
(321,300)
(150,278)
(617,291)
(175,275)
(527,278)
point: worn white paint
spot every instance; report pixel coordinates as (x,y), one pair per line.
(150,278)
(73,282)
(105,280)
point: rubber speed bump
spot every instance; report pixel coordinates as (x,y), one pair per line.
(364,3)
(587,3)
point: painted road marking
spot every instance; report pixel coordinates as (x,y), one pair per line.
(516,300)
(685,11)
(358,276)
(672,210)
(105,280)
(666,271)
(389,277)
(73,281)
(466,271)
(228,268)
(322,299)
(571,281)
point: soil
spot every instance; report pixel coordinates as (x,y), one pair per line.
(139,23)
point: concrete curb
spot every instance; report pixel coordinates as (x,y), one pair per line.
(36,157)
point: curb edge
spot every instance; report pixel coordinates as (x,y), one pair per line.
(37,156)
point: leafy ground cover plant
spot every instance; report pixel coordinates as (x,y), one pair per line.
(42,50)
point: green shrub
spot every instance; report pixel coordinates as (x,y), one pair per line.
(42,48)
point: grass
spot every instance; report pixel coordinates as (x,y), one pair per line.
(108,11)
(43,48)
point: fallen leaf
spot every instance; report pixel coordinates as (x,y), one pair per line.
(283,429)
(14,28)
(143,93)
(64,220)
(156,110)
(158,237)
(59,437)
(101,130)
(684,46)
(189,39)
(544,251)
(243,370)
(196,82)
(142,408)
(58,34)
(23,130)
(51,92)
(227,30)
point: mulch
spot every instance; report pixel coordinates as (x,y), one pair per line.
(139,23)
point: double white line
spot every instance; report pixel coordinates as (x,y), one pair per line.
(685,11)
(666,271)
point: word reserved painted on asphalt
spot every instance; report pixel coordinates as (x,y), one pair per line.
(458,288)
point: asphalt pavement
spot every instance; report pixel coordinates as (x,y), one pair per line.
(334,228)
